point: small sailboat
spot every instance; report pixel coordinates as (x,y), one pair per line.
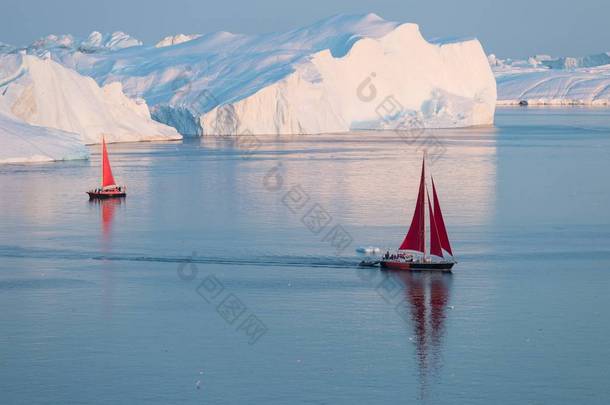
(412,253)
(109,188)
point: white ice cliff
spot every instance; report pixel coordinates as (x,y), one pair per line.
(44,93)
(342,73)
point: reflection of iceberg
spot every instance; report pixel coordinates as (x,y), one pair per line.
(374,176)
(366,181)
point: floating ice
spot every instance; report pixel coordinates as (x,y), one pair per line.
(543,80)
(44,93)
(24,143)
(342,73)
(368,249)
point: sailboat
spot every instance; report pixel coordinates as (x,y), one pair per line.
(109,188)
(412,253)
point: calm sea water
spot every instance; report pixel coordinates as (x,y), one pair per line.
(229,273)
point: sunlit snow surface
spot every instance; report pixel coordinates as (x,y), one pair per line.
(331,76)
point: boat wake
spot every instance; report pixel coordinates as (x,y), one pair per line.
(262,260)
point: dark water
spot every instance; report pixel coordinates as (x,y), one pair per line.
(213,283)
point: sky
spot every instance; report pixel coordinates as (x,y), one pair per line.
(513,28)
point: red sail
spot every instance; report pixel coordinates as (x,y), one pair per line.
(435,243)
(440,223)
(107,178)
(415,237)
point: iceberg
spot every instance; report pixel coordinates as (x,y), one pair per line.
(551,87)
(95,42)
(543,80)
(599,59)
(343,73)
(65,41)
(114,41)
(375,83)
(176,39)
(24,143)
(44,93)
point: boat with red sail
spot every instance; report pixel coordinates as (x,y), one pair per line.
(109,188)
(413,253)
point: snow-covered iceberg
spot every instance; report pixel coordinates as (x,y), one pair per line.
(95,42)
(44,93)
(114,41)
(342,73)
(543,80)
(374,83)
(24,143)
(568,62)
(176,39)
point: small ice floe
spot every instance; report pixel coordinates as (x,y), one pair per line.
(368,250)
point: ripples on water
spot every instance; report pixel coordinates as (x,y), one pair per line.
(94,308)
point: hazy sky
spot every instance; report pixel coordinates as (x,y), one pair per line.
(508,28)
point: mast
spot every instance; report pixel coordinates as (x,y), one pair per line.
(103,158)
(435,242)
(424,200)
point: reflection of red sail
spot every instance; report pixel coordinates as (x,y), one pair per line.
(107,178)
(427,296)
(416,296)
(435,243)
(438,302)
(415,239)
(440,222)
(108,208)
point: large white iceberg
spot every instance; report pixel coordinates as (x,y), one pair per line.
(345,72)
(44,93)
(379,83)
